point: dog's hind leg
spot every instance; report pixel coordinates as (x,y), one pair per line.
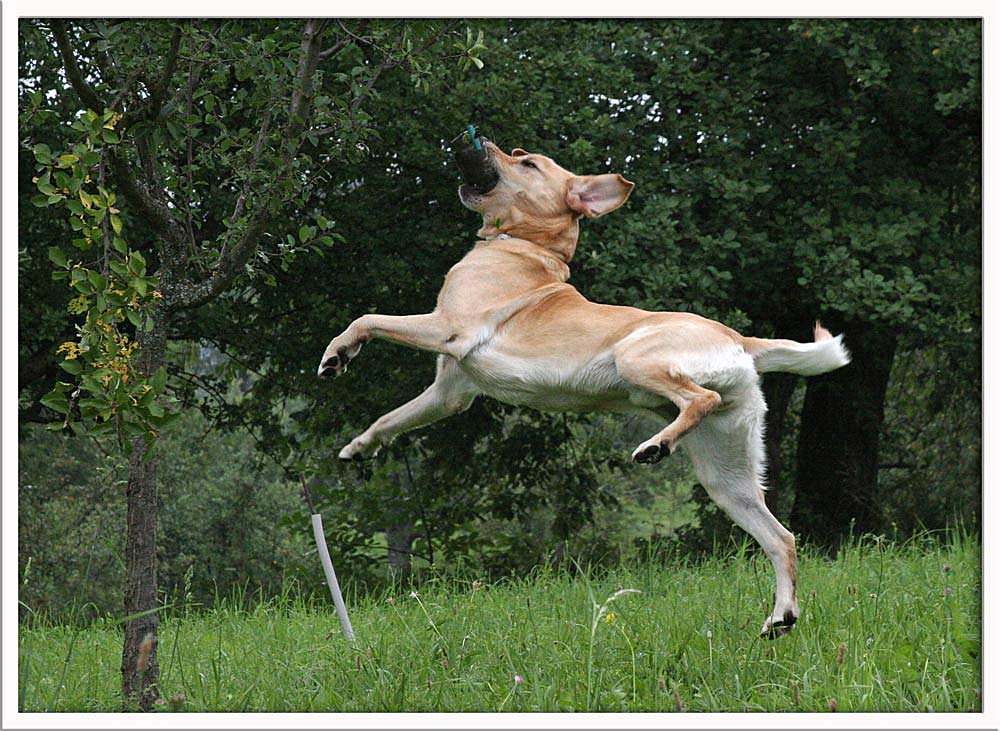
(694,402)
(727,451)
(451,393)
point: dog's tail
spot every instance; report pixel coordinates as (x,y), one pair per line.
(826,353)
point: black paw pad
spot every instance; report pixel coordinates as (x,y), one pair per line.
(651,454)
(335,364)
(781,627)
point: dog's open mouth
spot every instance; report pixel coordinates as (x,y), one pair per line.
(477,171)
(470,193)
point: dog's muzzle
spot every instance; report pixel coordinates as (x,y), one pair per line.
(476,168)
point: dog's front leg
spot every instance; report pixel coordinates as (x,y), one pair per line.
(426,332)
(451,393)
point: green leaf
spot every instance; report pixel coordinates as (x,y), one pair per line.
(306,233)
(137,264)
(91,407)
(43,153)
(57,256)
(116,223)
(110,137)
(57,401)
(73,367)
(102,429)
(131,429)
(97,280)
(159,379)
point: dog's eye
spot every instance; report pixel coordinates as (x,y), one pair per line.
(529,164)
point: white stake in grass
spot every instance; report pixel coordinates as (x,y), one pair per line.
(324,557)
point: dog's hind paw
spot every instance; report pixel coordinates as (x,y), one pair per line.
(650,453)
(775,627)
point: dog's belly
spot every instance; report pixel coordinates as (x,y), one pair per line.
(551,383)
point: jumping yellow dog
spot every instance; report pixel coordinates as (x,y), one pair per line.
(508,325)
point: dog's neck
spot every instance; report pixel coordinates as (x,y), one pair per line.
(561,242)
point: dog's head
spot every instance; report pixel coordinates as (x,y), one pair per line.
(529,196)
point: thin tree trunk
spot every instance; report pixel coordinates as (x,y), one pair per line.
(399,537)
(837,480)
(140,669)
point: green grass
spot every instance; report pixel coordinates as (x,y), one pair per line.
(883,628)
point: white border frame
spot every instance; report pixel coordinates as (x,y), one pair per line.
(13,9)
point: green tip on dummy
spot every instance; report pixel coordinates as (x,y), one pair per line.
(475,140)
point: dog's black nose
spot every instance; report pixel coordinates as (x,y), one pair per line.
(476,167)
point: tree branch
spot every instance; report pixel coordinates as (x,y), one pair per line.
(138,197)
(233,261)
(257,148)
(159,88)
(334,49)
(83,90)
(302,93)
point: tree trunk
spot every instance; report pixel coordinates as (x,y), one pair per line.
(140,670)
(399,537)
(837,480)
(778,389)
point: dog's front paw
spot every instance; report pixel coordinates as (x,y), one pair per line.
(335,364)
(359,449)
(338,354)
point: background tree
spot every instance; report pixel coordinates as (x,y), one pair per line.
(225,124)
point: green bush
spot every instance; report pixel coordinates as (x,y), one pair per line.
(223,520)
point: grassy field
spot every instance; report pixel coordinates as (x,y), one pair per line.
(884,627)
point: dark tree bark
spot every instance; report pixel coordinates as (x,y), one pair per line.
(140,670)
(778,389)
(837,480)
(399,537)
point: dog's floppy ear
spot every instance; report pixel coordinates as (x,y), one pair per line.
(595,195)
(518,152)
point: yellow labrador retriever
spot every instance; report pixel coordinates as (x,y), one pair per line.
(508,325)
